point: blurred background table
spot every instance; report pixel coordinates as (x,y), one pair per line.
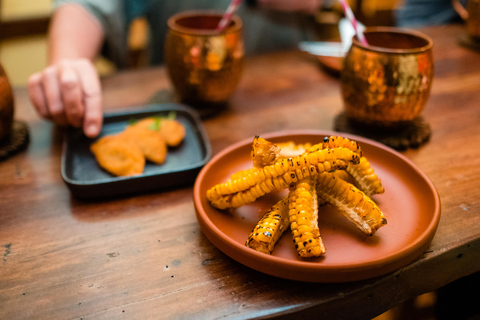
(146,257)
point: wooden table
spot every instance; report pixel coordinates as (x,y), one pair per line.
(146,257)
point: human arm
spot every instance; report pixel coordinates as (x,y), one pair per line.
(68,91)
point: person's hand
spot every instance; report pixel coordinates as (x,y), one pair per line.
(307,6)
(69,93)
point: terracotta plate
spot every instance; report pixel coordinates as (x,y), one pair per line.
(410,203)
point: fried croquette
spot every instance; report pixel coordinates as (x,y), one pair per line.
(171,130)
(117,156)
(151,143)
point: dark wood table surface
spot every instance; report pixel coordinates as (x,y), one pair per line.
(145,256)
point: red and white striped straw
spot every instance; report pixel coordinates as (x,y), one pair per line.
(228,15)
(350,16)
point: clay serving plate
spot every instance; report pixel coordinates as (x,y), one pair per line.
(87,180)
(410,203)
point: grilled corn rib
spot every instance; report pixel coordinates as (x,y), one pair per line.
(279,176)
(353,203)
(365,178)
(267,152)
(269,228)
(303,215)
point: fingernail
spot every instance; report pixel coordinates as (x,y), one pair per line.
(91,130)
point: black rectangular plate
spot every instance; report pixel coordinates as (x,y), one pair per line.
(87,180)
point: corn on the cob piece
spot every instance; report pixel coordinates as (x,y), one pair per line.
(365,178)
(290,169)
(245,179)
(303,214)
(353,203)
(263,152)
(294,173)
(269,228)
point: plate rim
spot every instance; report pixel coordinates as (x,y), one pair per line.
(349,273)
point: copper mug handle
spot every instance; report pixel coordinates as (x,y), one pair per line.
(460,9)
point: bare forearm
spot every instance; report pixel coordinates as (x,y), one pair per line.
(74,33)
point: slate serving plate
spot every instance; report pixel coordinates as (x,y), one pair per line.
(87,180)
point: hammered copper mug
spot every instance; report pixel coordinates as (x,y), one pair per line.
(6,105)
(471,15)
(387,82)
(204,65)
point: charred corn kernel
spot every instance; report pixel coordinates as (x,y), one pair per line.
(305,171)
(264,187)
(278,169)
(259,190)
(284,165)
(277,182)
(269,228)
(241,198)
(270,171)
(365,177)
(344,175)
(299,173)
(221,202)
(303,216)
(242,183)
(327,166)
(255,193)
(263,152)
(290,177)
(269,183)
(298,162)
(351,201)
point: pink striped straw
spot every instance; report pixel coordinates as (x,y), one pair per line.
(350,16)
(228,15)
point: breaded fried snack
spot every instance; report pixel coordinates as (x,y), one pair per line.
(171,130)
(151,143)
(118,156)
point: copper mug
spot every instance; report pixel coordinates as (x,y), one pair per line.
(387,82)
(471,15)
(6,105)
(204,65)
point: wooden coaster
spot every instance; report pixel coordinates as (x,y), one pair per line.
(469,42)
(408,136)
(16,141)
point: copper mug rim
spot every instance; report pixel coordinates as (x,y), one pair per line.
(235,23)
(420,37)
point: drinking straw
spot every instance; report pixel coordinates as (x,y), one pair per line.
(350,16)
(228,15)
